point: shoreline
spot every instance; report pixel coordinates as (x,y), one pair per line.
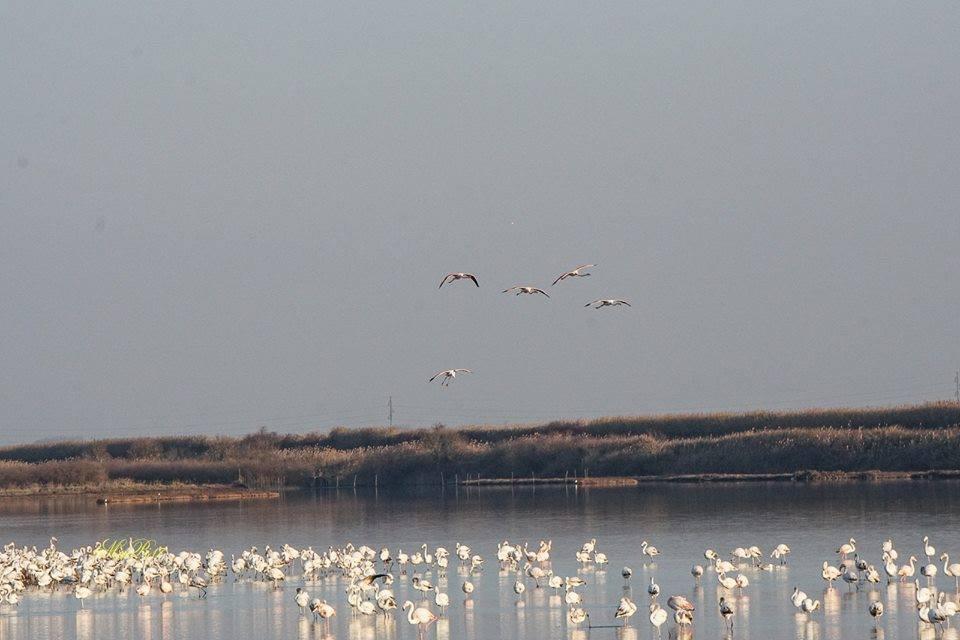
(181,492)
(126,493)
(806,476)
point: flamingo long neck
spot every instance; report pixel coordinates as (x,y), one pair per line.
(410,617)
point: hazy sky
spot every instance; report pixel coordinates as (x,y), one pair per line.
(220,215)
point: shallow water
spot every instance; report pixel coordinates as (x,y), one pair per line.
(682,520)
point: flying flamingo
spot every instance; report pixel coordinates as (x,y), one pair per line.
(453,277)
(612,302)
(575,273)
(526,289)
(448,376)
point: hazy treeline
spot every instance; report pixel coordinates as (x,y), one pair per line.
(909,438)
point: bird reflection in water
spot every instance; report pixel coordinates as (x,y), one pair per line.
(144,621)
(627,633)
(84,624)
(166,620)
(806,628)
(443,629)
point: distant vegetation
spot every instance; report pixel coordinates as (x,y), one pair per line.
(908,438)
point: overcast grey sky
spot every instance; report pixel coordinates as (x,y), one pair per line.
(217,215)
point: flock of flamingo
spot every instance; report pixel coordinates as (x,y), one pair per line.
(449,375)
(369,576)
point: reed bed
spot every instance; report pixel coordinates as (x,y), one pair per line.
(912,438)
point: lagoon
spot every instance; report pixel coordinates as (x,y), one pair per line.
(681,519)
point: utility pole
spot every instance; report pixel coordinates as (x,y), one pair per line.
(956,380)
(390,411)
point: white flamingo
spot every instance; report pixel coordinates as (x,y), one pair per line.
(626,609)
(727,583)
(658,615)
(696,571)
(798,597)
(847,548)
(448,375)
(951,570)
(649,550)
(654,588)
(442,600)
(574,273)
(323,610)
(526,289)
(453,277)
(609,302)
(82,592)
(302,598)
(829,573)
(809,606)
(420,616)
(906,571)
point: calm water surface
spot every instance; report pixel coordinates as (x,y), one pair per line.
(682,520)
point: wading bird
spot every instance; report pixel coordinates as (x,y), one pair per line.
(302,598)
(324,611)
(577,615)
(726,612)
(626,609)
(829,573)
(442,600)
(951,570)
(847,548)
(696,571)
(780,553)
(906,571)
(798,597)
(420,616)
(649,550)
(809,606)
(82,592)
(653,589)
(658,615)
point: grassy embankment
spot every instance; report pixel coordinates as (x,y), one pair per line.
(898,439)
